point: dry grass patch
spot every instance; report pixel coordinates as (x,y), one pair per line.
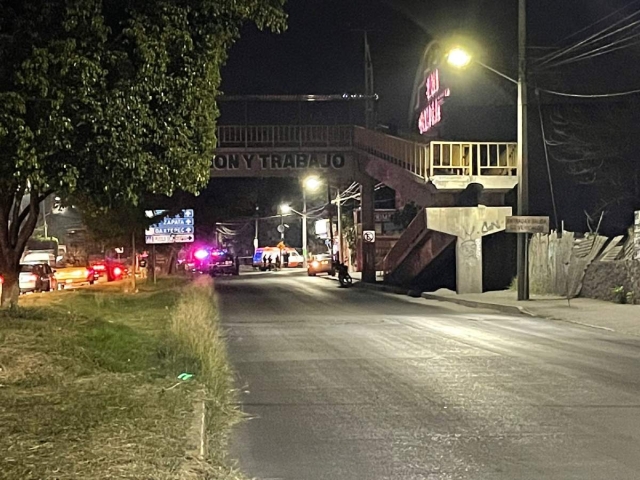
(84,384)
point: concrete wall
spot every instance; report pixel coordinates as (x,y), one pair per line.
(602,277)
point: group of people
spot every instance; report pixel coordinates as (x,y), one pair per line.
(268,261)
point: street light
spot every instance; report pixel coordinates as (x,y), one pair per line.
(312,184)
(457,57)
(285,209)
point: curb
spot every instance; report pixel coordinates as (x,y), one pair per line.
(381,288)
(509,309)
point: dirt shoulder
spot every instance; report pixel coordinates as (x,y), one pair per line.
(89,387)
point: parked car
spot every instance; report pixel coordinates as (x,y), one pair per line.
(73,276)
(321,264)
(36,277)
(223,263)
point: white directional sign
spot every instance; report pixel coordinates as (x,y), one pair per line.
(369,236)
(527,224)
(177,229)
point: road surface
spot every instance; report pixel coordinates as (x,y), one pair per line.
(351,384)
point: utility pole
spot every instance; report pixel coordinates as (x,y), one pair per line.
(338,203)
(369,89)
(330,218)
(255,239)
(304,227)
(523,164)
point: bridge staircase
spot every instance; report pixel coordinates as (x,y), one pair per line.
(438,174)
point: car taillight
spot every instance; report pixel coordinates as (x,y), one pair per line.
(99,268)
(1,280)
(117,271)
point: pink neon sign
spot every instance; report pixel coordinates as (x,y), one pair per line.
(432,113)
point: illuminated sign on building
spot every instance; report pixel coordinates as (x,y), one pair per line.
(431,115)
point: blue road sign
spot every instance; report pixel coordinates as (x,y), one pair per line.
(169,230)
(176,229)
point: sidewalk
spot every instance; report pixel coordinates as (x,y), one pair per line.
(585,311)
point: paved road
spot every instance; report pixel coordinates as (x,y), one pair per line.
(351,384)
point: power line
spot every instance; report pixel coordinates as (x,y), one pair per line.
(598,21)
(600,95)
(546,156)
(615,45)
(596,37)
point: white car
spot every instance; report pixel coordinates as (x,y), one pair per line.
(37,277)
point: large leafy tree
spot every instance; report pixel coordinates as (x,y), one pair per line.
(105,100)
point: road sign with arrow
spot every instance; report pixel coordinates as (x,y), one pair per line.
(176,229)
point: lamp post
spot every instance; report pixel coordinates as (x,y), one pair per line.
(459,58)
(523,164)
(284,210)
(312,184)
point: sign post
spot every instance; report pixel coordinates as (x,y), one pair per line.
(525,225)
(177,229)
(636,235)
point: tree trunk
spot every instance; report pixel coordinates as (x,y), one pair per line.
(10,290)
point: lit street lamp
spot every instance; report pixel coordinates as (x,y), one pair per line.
(312,184)
(285,209)
(459,58)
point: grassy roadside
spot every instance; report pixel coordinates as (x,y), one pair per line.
(86,377)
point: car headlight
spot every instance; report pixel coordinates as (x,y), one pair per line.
(315,264)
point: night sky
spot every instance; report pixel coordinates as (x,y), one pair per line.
(322,52)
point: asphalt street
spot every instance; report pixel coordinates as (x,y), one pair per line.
(352,384)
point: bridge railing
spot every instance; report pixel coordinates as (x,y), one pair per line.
(283,136)
(473,158)
(409,155)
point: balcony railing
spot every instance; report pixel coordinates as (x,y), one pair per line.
(284,136)
(473,158)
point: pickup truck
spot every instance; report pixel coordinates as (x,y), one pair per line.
(73,276)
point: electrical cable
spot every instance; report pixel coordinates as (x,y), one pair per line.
(546,156)
(588,41)
(597,22)
(615,45)
(600,95)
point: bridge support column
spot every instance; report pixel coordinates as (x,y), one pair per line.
(468,265)
(367,189)
(469,224)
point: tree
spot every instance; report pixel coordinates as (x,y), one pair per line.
(597,146)
(104,100)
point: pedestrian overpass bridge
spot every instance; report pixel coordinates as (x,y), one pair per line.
(345,151)
(431,174)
